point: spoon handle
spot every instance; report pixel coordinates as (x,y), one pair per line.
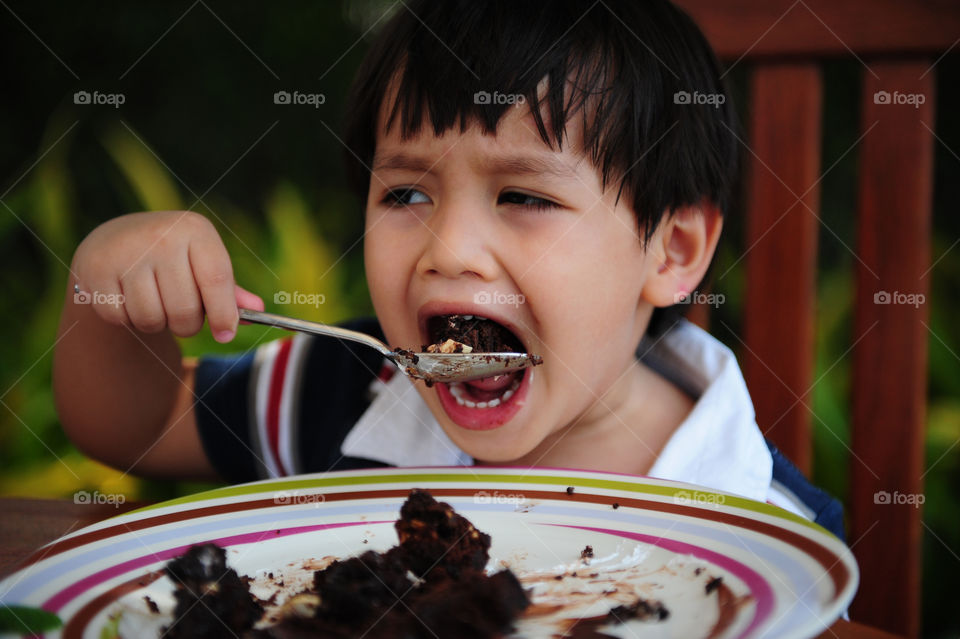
(270,319)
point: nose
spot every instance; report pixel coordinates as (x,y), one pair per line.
(458,241)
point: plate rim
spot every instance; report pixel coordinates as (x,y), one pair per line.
(542,477)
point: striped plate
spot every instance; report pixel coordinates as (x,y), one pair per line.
(780,575)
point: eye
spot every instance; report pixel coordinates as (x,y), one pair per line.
(515,198)
(404,197)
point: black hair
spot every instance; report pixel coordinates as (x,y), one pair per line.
(658,122)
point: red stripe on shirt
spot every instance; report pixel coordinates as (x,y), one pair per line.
(277,377)
(387,371)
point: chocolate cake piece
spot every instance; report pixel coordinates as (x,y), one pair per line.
(434,538)
(642,609)
(431,585)
(475,606)
(481,335)
(361,587)
(212,600)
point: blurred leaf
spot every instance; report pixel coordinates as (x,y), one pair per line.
(51,212)
(305,263)
(147,176)
(53,478)
(943,365)
(943,424)
(830,396)
(25,620)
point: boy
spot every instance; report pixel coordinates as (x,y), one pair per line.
(527,169)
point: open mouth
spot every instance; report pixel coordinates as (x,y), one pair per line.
(483,403)
(479,333)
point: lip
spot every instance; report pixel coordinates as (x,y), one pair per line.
(485,418)
(431,309)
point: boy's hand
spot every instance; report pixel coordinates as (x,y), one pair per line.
(161,270)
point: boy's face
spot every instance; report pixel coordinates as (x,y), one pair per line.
(505,228)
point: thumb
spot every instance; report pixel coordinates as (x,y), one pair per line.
(246,299)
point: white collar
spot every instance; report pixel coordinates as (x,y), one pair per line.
(718,445)
(399,429)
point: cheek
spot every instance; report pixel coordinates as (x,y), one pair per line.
(589,281)
(379,256)
(584,297)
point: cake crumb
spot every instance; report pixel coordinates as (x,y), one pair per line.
(587,553)
(450,346)
(570,490)
(713,584)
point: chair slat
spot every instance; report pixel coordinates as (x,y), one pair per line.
(890,361)
(762,29)
(781,244)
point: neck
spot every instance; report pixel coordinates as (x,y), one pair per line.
(623,431)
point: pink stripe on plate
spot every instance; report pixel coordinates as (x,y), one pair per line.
(759,587)
(68,594)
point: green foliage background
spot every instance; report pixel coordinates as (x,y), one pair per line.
(199,130)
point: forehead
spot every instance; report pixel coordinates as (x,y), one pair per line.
(515,145)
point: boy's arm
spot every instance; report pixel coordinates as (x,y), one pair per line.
(126,397)
(123,394)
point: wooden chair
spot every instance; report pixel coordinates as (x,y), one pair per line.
(783,42)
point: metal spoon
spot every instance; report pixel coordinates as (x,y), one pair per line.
(430,367)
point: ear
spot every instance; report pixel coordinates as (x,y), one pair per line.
(680,252)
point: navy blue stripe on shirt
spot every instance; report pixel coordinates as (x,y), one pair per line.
(222,385)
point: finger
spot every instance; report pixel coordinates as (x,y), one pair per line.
(141,298)
(181,300)
(104,297)
(246,299)
(214,276)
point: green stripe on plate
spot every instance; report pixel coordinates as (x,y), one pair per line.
(609,484)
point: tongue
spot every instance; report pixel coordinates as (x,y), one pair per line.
(492,384)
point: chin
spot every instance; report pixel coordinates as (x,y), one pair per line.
(495,451)
(501,444)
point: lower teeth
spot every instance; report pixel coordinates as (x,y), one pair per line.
(457,390)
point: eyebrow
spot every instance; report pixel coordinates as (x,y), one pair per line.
(501,165)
